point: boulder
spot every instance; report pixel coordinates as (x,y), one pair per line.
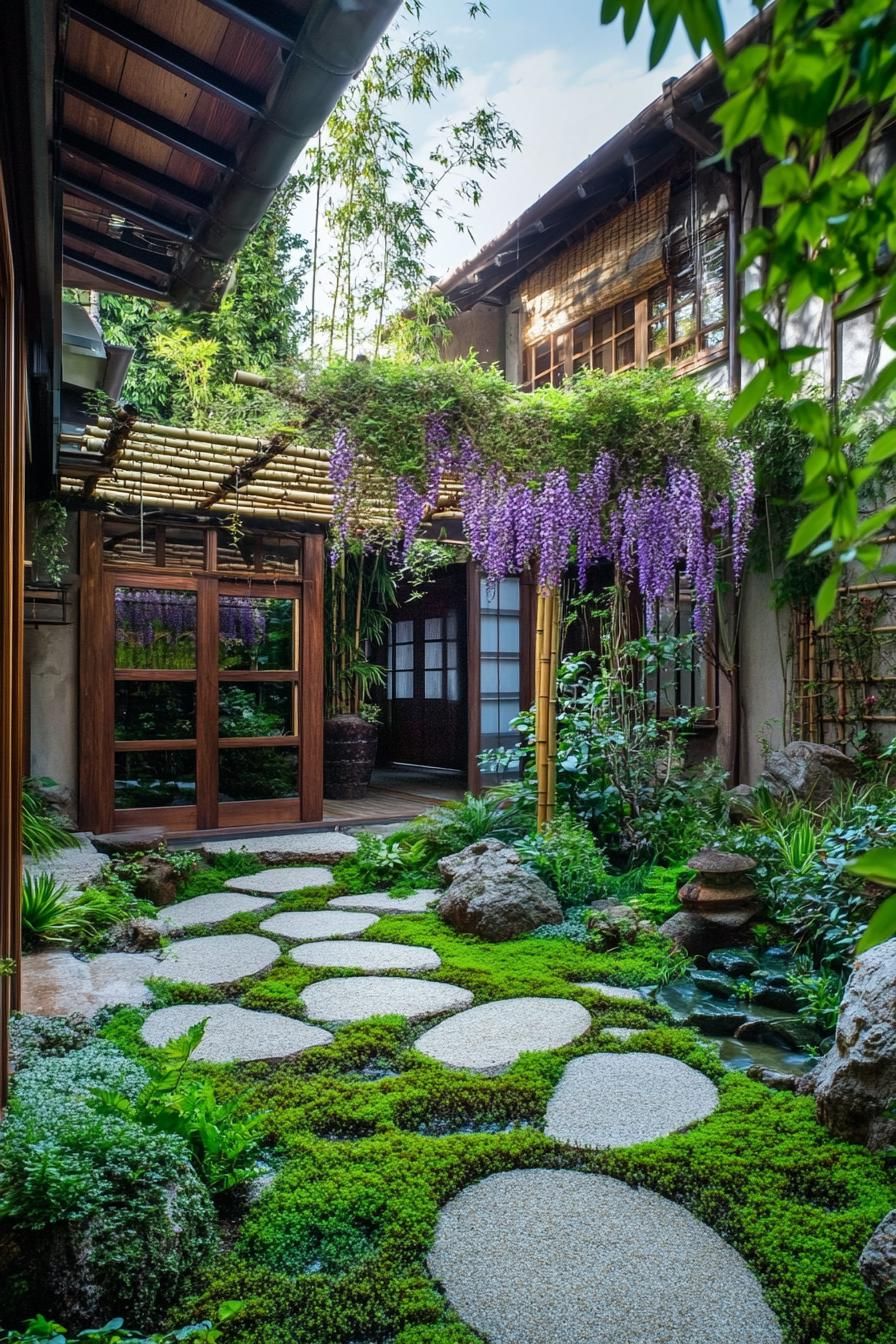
(493,895)
(157,881)
(733,961)
(133,935)
(807,771)
(855,1082)
(716,983)
(699,934)
(877,1263)
(741,805)
(612,925)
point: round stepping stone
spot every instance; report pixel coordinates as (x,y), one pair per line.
(274,881)
(611,991)
(350,1000)
(611,1101)
(563,1257)
(355,956)
(301,924)
(233,1033)
(490,1037)
(317,846)
(208,909)
(217,960)
(381,903)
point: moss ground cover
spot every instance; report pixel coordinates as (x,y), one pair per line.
(368,1139)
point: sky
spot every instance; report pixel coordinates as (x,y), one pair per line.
(561,79)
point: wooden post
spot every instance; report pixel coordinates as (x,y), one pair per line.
(547,654)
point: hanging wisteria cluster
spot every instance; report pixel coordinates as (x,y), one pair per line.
(561,518)
(143,615)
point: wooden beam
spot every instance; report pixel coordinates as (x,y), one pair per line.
(122,205)
(144,256)
(311,661)
(149,179)
(97,689)
(142,119)
(135,284)
(151,46)
(261,16)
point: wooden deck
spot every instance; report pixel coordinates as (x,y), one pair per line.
(394,796)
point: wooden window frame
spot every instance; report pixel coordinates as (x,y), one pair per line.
(594,340)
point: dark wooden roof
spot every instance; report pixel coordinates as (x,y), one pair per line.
(159,101)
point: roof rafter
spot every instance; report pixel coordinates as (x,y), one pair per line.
(75,143)
(136,284)
(144,256)
(121,205)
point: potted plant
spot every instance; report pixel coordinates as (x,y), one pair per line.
(360,590)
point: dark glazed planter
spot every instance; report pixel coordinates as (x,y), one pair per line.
(350,745)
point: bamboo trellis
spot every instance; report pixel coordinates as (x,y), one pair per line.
(547,657)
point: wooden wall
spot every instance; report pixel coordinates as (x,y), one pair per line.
(12,460)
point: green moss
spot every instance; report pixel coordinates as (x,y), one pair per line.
(210,876)
(371,1138)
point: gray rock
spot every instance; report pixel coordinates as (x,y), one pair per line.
(308,925)
(877,1263)
(612,991)
(133,935)
(613,1100)
(490,1037)
(716,1021)
(741,806)
(326,847)
(699,934)
(135,841)
(717,983)
(808,771)
(855,1082)
(491,894)
(220,959)
(778,1082)
(351,999)
(565,1257)
(233,1033)
(737,961)
(276,881)
(212,908)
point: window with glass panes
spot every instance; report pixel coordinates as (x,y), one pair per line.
(400,661)
(441,679)
(499,662)
(682,322)
(686,682)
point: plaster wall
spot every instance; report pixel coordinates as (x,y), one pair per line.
(51,669)
(480,330)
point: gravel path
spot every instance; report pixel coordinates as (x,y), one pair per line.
(612,1100)
(562,1257)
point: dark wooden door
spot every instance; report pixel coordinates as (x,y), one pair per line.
(426,714)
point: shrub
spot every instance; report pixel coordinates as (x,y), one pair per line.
(41,1331)
(402,861)
(42,834)
(105,1211)
(566,856)
(52,913)
(32,1038)
(495,816)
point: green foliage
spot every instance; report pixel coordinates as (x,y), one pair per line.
(52,913)
(223,1145)
(32,1038)
(449,828)
(566,856)
(620,767)
(657,896)
(39,1330)
(42,834)
(880,867)
(819,994)
(49,538)
(208,877)
(183,365)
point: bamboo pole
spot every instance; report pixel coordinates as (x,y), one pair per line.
(551,762)
(542,672)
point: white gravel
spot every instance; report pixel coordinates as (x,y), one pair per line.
(563,1257)
(611,991)
(357,997)
(274,881)
(490,1037)
(381,903)
(331,845)
(233,1033)
(357,956)
(309,924)
(212,908)
(613,1100)
(219,959)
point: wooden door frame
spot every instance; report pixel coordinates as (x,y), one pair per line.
(97,810)
(528,597)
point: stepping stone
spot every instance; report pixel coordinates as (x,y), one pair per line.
(381,903)
(355,956)
(219,959)
(611,1101)
(233,1033)
(55,984)
(274,881)
(611,991)
(310,924)
(357,997)
(316,846)
(489,1038)
(564,1257)
(76,866)
(212,908)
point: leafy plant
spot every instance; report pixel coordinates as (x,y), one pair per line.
(52,913)
(566,856)
(656,897)
(818,993)
(452,826)
(49,538)
(40,1330)
(42,834)
(223,1145)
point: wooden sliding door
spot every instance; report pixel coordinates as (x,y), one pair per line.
(205,712)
